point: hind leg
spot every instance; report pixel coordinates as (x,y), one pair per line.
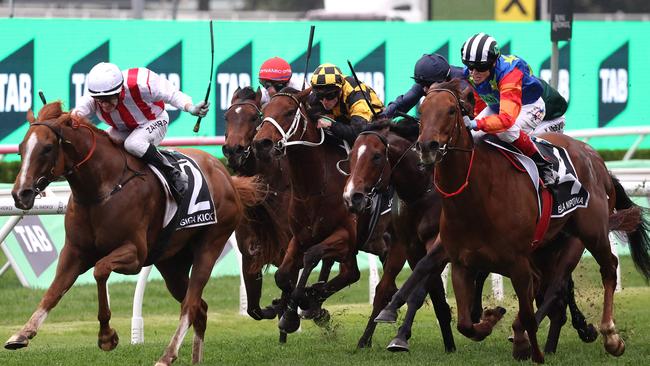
(413,303)
(525,345)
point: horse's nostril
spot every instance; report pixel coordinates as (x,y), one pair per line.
(433,145)
(356,198)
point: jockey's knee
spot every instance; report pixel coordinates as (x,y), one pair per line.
(136,147)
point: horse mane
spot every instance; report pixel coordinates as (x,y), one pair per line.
(406,128)
(246,93)
(289,90)
(453,85)
(54,111)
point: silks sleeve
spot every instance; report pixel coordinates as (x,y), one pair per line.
(509,104)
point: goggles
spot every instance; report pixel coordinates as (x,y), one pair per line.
(327,95)
(478,66)
(277,85)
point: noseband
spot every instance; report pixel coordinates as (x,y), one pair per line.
(293,128)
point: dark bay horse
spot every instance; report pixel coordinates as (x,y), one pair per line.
(263,234)
(322,227)
(384,154)
(114,219)
(489,217)
(379,158)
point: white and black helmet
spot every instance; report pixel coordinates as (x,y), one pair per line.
(480,51)
(104,79)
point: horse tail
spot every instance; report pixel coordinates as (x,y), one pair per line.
(251,190)
(632,220)
(267,237)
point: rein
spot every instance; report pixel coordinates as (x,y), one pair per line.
(447,146)
(293,128)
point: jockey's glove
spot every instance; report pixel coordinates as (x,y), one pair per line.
(200,109)
(470,123)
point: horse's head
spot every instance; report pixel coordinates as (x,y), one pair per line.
(41,151)
(284,121)
(370,168)
(441,122)
(242,119)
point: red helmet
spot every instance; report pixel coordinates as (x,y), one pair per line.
(275,69)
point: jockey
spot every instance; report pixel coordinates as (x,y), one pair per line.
(338,103)
(132,102)
(275,74)
(510,101)
(430,68)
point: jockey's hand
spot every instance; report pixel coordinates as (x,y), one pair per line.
(470,123)
(200,109)
(324,122)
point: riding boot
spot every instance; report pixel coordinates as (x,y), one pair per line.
(176,177)
(545,167)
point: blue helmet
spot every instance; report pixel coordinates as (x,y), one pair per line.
(431,68)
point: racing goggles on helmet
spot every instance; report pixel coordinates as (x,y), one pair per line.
(327,94)
(478,66)
(277,85)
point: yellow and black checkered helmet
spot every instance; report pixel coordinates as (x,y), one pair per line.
(327,75)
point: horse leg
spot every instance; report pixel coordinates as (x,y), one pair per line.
(69,267)
(435,259)
(413,303)
(124,259)
(386,287)
(586,332)
(443,312)
(253,284)
(193,307)
(477,305)
(463,280)
(525,343)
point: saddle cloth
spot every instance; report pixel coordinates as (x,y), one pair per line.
(196,207)
(568,194)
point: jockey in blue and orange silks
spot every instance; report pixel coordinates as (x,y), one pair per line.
(510,99)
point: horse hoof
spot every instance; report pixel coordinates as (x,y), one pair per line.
(364,343)
(501,310)
(588,335)
(398,345)
(521,350)
(283,337)
(615,345)
(290,321)
(16,342)
(108,342)
(322,318)
(386,316)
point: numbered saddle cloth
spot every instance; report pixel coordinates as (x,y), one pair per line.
(196,208)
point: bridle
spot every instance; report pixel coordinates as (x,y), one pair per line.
(43,181)
(448,146)
(258,122)
(293,128)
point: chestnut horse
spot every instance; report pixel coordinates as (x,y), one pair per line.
(263,234)
(322,227)
(114,218)
(489,218)
(383,155)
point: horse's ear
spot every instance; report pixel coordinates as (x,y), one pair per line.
(234,95)
(302,96)
(467,100)
(258,96)
(30,116)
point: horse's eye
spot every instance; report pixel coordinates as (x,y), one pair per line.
(452,111)
(289,114)
(376,158)
(47,149)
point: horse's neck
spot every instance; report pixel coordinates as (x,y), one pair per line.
(104,167)
(410,182)
(274,173)
(307,167)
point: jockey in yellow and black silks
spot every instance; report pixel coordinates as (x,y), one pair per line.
(338,104)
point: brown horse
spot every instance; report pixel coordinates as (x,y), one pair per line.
(114,219)
(490,211)
(263,234)
(321,225)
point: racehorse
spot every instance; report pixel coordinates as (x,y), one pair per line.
(383,154)
(263,234)
(489,217)
(114,219)
(321,225)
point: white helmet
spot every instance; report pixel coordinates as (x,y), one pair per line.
(104,79)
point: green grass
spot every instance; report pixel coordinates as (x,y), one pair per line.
(68,337)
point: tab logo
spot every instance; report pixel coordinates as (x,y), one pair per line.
(169,66)
(79,73)
(233,73)
(443,51)
(371,70)
(613,85)
(505,49)
(35,243)
(298,65)
(564,76)
(16,88)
